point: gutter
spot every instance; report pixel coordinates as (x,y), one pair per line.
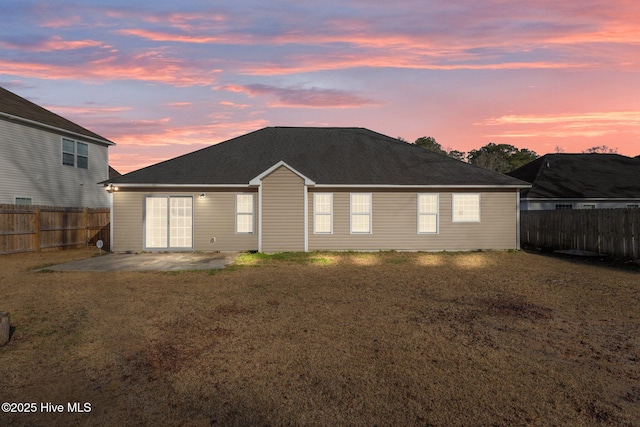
(251,185)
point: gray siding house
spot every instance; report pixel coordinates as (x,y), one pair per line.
(46,159)
(300,189)
(580,181)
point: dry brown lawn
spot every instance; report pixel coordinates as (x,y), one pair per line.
(485,338)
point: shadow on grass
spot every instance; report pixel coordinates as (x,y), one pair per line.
(598,261)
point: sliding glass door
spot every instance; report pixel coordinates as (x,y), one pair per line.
(168,222)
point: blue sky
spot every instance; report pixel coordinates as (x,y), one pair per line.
(165,78)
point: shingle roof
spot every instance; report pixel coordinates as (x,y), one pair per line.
(16,106)
(579,176)
(332,156)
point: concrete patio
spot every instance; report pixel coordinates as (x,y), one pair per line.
(164,261)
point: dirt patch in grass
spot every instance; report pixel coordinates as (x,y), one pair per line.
(483,338)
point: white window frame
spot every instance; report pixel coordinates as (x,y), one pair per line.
(436,214)
(251,214)
(456,216)
(75,153)
(317,213)
(369,213)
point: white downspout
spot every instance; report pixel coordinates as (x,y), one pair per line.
(260,217)
(111,242)
(518,219)
(306,218)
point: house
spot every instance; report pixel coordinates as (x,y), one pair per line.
(580,181)
(46,159)
(299,189)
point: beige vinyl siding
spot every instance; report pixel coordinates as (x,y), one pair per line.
(283,212)
(127,224)
(31,166)
(395,223)
(213,217)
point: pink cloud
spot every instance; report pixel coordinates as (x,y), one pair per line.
(53,44)
(587,125)
(179,104)
(85,111)
(303,98)
(159,36)
(147,66)
(155,141)
(234,105)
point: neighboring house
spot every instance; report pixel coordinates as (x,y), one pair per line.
(298,189)
(113,173)
(580,181)
(47,160)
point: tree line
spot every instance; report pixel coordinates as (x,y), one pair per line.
(501,158)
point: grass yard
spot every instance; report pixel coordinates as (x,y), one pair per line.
(460,339)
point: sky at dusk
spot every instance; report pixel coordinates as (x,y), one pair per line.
(163,78)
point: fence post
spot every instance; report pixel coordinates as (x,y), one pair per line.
(5,327)
(36,229)
(85,226)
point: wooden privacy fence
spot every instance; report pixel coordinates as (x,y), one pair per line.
(613,232)
(33,228)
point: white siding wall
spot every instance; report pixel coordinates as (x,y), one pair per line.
(31,166)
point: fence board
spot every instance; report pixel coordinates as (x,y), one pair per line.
(25,228)
(607,231)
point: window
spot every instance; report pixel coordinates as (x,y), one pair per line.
(631,206)
(427,213)
(82,155)
(466,208)
(68,152)
(564,206)
(168,222)
(361,213)
(75,153)
(244,213)
(588,206)
(23,201)
(323,213)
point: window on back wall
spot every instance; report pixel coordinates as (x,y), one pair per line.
(23,201)
(244,213)
(323,213)
(466,207)
(75,153)
(427,213)
(361,213)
